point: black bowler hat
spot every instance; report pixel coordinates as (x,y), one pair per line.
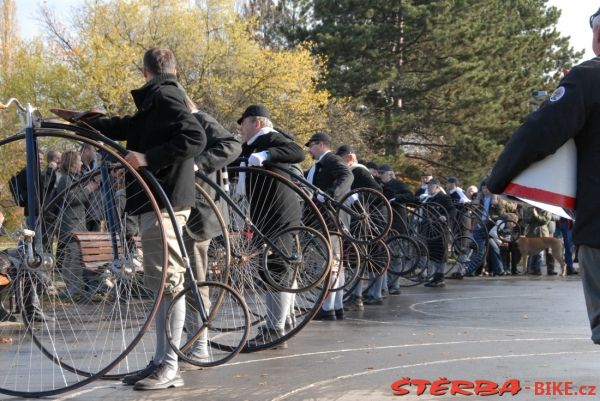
(319,137)
(255,110)
(344,150)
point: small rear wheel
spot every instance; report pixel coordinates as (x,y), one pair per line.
(304,254)
(214,330)
(368,217)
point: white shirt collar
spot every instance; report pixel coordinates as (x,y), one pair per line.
(261,132)
(329,151)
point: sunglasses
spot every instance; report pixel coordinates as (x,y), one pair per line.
(592,17)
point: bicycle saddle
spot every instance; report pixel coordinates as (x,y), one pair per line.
(75,116)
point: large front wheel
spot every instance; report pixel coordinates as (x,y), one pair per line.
(73,316)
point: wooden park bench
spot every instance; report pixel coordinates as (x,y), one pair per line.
(96,249)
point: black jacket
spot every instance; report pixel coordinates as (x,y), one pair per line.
(363,178)
(571,112)
(73,203)
(397,189)
(333,176)
(436,244)
(168,134)
(221,149)
(444,204)
(284,206)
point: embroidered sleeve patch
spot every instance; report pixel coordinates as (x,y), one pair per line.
(557,94)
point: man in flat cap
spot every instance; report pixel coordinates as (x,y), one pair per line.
(421,192)
(456,192)
(398,194)
(436,246)
(362,179)
(332,176)
(262,142)
(362,176)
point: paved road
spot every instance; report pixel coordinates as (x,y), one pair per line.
(533,329)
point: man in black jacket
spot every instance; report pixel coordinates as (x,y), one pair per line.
(163,136)
(273,207)
(331,175)
(362,179)
(571,112)
(445,215)
(396,190)
(203,225)
(398,194)
(361,173)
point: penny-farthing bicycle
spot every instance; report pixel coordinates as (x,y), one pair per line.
(64,326)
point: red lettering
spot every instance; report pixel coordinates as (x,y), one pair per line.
(485,388)
(461,387)
(592,390)
(512,386)
(538,388)
(421,385)
(568,386)
(439,387)
(556,388)
(583,390)
(398,386)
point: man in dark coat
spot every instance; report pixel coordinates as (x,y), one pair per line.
(571,112)
(273,207)
(396,190)
(163,136)
(362,175)
(444,207)
(203,224)
(362,179)
(331,175)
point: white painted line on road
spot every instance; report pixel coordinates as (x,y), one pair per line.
(369,372)
(82,392)
(413,307)
(362,349)
(513,330)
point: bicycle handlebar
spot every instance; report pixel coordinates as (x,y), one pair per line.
(11,101)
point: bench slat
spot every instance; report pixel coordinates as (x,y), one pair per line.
(96,249)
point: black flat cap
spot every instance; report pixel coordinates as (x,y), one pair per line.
(372,165)
(319,137)
(255,110)
(426,173)
(452,180)
(385,167)
(433,181)
(344,150)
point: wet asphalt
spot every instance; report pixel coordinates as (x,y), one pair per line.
(530,329)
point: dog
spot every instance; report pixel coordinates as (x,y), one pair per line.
(529,246)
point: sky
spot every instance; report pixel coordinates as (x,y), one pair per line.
(573,21)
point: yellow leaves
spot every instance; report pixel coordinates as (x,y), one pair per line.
(220,64)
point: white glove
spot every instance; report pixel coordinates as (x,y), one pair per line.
(257,159)
(320,198)
(351,200)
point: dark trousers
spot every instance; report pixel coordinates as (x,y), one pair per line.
(511,256)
